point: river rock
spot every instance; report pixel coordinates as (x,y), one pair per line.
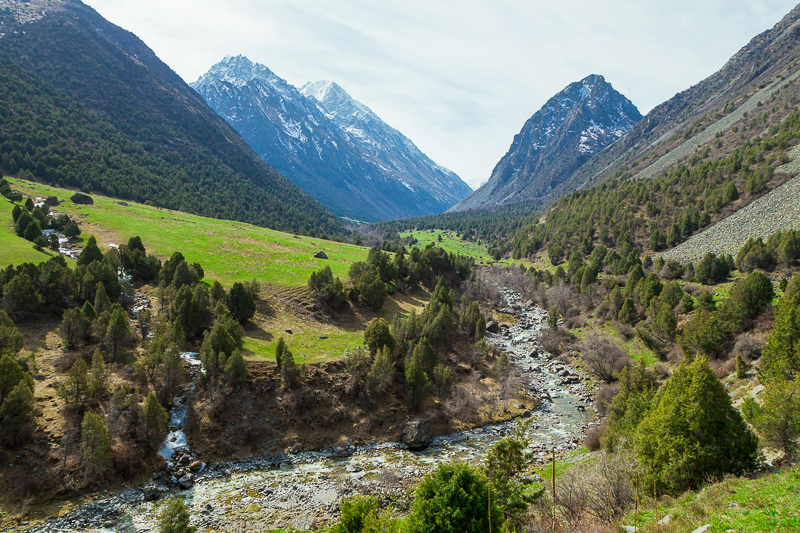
(195,466)
(186,481)
(51,201)
(418,434)
(150,494)
(320,255)
(81,198)
(492,326)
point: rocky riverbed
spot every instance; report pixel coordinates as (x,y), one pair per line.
(304,488)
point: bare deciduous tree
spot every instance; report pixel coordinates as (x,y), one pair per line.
(562,296)
(602,357)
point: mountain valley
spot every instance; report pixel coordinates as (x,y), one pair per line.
(240,305)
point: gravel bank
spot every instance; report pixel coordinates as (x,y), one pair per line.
(777,211)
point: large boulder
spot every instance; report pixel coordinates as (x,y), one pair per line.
(418,434)
(51,201)
(492,327)
(150,494)
(186,481)
(81,198)
(320,255)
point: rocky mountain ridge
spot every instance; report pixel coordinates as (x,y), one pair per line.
(764,65)
(565,133)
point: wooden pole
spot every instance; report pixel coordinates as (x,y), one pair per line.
(637,502)
(490,508)
(655,497)
(554,490)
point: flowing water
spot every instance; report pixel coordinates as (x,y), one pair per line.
(298,489)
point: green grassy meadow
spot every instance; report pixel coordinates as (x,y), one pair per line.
(308,345)
(768,502)
(15,249)
(453,244)
(229,251)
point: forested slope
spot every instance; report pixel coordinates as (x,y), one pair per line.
(86,104)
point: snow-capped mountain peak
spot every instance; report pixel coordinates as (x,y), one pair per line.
(332,146)
(573,125)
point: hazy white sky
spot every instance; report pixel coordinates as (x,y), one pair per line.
(459,78)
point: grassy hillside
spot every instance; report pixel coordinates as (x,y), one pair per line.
(15,249)
(767,502)
(229,251)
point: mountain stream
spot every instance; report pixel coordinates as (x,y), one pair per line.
(305,488)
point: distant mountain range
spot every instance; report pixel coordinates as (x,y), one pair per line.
(564,134)
(87,104)
(329,144)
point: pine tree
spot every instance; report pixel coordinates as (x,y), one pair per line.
(118,333)
(778,418)
(76,385)
(665,322)
(11,340)
(289,370)
(217,292)
(427,355)
(417,383)
(98,378)
(208,357)
(377,335)
(454,498)
(687,304)
(73,326)
(442,380)
(71,230)
(101,302)
(175,518)
(17,413)
(20,295)
(637,387)
(90,253)
(552,318)
(781,355)
(155,420)
(11,374)
(693,432)
(741,367)
(381,371)
(241,303)
(95,446)
(280,349)
(235,369)
(627,314)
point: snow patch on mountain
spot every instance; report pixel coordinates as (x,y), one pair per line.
(331,145)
